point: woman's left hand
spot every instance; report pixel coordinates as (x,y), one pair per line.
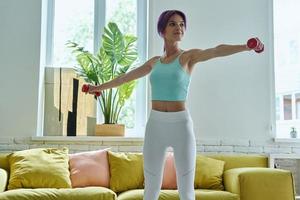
(255,44)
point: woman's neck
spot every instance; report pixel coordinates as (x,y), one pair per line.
(171,49)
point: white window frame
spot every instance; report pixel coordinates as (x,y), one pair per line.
(273,118)
(272,72)
(142,47)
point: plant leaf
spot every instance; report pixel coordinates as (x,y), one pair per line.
(113,42)
(129,55)
(125,92)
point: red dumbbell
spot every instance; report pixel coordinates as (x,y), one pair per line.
(255,44)
(85,88)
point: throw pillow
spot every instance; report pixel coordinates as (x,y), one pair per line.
(39,168)
(126,171)
(209,173)
(169,177)
(89,169)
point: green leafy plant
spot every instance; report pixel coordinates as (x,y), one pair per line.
(115,57)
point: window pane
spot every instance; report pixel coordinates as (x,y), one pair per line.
(124,13)
(74,21)
(287,105)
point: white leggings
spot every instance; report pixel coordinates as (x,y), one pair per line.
(163,130)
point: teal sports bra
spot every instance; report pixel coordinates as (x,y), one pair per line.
(169,82)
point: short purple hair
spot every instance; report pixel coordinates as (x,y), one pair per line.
(164,18)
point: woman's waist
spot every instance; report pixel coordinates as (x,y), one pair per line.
(168,106)
(170,116)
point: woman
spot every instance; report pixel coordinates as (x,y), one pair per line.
(170,123)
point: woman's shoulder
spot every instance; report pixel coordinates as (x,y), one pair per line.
(187,55)
(151,62)
(189,52)
(155,57)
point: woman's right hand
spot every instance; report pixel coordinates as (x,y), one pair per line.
(91,89)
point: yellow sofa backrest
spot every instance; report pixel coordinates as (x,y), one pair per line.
(231,161)
(244,160)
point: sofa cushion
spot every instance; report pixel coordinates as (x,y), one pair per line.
(89,169)
(4,164)
(39,168)
(88,193)
(258,183)
(201,194)
(126,171)
(209,173)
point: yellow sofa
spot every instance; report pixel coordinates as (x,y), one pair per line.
(245,177)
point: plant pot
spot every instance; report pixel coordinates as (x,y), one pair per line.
(109,130)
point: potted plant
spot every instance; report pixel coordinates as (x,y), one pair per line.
(115,57)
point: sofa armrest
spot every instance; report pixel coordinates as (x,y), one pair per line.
(260,183)
(3,180)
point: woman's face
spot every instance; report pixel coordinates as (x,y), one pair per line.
(174,30)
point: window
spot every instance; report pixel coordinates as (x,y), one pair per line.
(82,21)
(287,65)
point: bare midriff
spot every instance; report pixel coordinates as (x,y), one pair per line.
(168,106)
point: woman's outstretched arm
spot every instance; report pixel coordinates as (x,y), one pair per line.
(198,55)
(130,76)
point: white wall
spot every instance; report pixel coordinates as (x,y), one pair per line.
(230,97)
(20,26)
